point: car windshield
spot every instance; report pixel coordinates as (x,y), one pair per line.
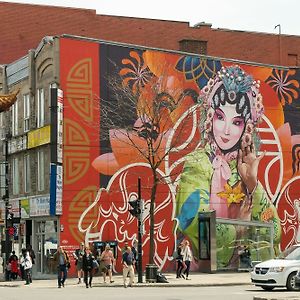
(292,253)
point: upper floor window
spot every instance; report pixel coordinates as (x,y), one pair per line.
(193,46)
(27,179)
(2,127)
(26,99)
(41,171)
(15,176)
(15,119)
(40,108)
(2,178)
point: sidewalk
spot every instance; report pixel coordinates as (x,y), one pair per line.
(197,279)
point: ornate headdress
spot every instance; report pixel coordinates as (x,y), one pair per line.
(232,85)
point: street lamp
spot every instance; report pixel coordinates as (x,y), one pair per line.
(279,37)
(8,215)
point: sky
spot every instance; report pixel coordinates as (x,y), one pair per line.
(253,15)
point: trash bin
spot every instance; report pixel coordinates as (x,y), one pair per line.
(151,273)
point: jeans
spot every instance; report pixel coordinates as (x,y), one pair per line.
(28,276)
(187,270)
(61,274)
(128,270)
(86,273)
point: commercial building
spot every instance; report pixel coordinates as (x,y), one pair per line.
(72,174)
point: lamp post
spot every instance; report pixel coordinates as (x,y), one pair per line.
(8,215)
(279,38)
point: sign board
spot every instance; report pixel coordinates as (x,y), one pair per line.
(40,206)
(38,137)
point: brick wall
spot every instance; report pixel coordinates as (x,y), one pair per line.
(24,25)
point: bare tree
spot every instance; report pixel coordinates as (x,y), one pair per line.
(147,112)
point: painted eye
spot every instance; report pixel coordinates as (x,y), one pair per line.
(219,117)
(237,123)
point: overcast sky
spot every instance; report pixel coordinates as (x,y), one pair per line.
(253,15)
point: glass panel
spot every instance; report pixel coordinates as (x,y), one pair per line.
(204,239)
(50,246)
(232,238)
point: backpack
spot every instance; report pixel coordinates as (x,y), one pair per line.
(161,278)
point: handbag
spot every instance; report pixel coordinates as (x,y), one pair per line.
(68,265)
(95,264)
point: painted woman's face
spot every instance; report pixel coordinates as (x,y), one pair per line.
(228,126)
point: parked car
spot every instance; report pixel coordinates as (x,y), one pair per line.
(279,272)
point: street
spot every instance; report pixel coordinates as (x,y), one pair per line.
(242,292)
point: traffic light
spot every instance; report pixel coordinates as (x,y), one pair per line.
(135,210)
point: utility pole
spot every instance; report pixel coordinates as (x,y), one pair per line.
(8,218)
(140,241)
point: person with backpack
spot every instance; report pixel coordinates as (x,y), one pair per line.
(26,263)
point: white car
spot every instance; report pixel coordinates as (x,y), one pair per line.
(279,272)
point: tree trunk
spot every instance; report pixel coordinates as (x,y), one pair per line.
(153,195)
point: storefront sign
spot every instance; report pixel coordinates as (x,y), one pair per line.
(15,207)
(25,208)
(40,206)
(39,137)
(17,144)
(56,183)
(59,126)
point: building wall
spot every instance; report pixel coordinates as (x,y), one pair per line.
(17,36)
(93,214)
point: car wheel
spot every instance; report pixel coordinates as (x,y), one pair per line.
(290,283)
(267,288)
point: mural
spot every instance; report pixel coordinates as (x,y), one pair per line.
(226,138)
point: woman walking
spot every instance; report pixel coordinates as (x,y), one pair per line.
(187,258)
(180,262)
(26,262)
(87,267)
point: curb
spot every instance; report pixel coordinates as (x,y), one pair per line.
(272,298)
(137,285)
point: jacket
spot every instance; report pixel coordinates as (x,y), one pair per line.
(56,258)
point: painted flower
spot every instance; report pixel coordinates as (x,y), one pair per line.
(267,215)
(232,194)
(285,84)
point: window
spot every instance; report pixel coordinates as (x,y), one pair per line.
(26,99)
(41,171)
(15,119)
(293,60)
(2,178)
(27,181)
(193,46)
(2,127)
(15,176)
(41,108)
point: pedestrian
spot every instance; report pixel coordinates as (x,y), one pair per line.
(134,250)
(26,262)
(187,257)
(128,261)
(107,257)
(14,265)
(31,253)
(87,266)
(125,247)
(61,260)
(78,254)
(245,257)
(180,265)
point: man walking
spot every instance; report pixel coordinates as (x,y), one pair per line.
(78,255)
(61,259)
(128,261)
